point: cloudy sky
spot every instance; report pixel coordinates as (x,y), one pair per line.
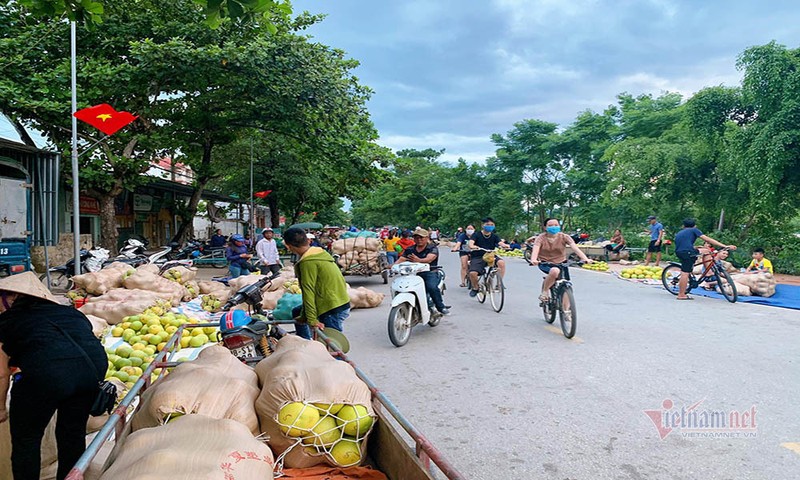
(449,73)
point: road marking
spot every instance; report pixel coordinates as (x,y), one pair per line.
(793,446)
(557,331)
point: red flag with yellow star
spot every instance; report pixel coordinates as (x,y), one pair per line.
(104,118)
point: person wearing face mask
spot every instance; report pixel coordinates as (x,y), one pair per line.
(462,247)
(486,239)
(551,247)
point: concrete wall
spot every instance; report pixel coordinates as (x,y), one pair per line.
(59,254)
(203,228)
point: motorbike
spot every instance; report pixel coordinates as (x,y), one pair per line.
(527,252)
(410,301)
(249,337)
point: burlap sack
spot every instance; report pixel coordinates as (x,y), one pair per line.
(271,298)
(192,291)
(358,244)
(181,274)
(742,289)
(303,371)
(243,281)
(198,389)
(148,267)
(362,297)
(211,287)
(99,325)
(98,283)
(192,447)
(761,284)
(119,303)
(144,280)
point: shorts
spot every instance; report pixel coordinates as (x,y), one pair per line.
(463,254)
(564,271)
(687,259)
(477,264)
(653,248)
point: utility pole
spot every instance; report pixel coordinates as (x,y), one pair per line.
(76,191)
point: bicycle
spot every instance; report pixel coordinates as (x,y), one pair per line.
(491,283)
(560,291)
(713,272)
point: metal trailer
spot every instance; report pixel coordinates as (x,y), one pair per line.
(388,450)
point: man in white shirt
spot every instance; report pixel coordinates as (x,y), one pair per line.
(267,251)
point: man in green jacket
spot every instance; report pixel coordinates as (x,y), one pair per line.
(325,298)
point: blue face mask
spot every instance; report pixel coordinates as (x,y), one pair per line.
(553,229)
(489,228)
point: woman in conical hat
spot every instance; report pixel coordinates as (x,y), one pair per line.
(60,363)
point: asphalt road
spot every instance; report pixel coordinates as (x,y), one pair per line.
(506,396)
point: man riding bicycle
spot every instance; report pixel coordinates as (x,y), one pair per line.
(486,239)
(551,247)
(424,251)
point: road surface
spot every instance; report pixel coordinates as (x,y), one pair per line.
(506,396)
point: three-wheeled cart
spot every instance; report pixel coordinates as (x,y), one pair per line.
(388,449)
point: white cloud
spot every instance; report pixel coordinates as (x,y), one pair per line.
(470,148)
(526,15)
(515,67)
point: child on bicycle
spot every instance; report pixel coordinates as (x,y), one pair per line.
(551,247)
(687,253)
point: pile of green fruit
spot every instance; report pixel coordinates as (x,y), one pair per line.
(642,273)
(210,303)
(146,334)
(174,275)
(292,286)
(510,253)
(596,266)
(76,295)
(333,429)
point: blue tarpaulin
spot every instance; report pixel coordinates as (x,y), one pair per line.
(786,296)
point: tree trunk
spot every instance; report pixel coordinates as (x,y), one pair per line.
(108,223)
(203,177)
(275,216)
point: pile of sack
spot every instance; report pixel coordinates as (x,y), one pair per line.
(761,284)
(360,255)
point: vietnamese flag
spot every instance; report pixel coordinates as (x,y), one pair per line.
(104,118)
(262,194)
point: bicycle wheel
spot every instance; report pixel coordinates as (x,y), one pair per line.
(548,311)
(218,259)
(497,293)
(400,324)
(568,316)
(670,277)
(482,289)
(726,286)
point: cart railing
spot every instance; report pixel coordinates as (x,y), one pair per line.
(424,449)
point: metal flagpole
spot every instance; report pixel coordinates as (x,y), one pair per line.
(76,193)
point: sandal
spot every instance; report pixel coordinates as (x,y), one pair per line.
(685,298)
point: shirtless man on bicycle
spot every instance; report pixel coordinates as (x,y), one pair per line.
(551,247)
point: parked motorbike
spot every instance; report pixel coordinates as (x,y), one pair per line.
(410,301)
(248,337)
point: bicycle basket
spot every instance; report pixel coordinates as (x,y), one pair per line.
(490,258)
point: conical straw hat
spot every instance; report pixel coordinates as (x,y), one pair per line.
(27,284)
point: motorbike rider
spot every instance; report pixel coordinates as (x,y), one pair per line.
(551,247)
(238,258)
(218,240)
(462,247)
(424,251)
(486,239)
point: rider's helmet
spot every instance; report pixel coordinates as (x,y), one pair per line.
(196,254)
(233,319)
(237,238)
